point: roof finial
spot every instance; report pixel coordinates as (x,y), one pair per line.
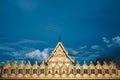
(59,39)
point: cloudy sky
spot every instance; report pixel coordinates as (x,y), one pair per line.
(29,29)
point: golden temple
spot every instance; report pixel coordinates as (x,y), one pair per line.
(59,66)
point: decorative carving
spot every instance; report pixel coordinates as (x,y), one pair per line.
(106,70)
(99,70)
(59,54)
(85,70)
(92,69)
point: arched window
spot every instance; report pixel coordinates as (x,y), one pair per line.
(71,71)
(113,71)
(99,71)
(34,71)
(5,71)
(56,72)
(63,71)
(92,71)
(78,71)
(85,71)
(27,71)
(106,71)
(42,71)
(20,71)
(12,71)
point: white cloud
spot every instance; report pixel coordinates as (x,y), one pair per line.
(83,47)
(12,46)
(116,40)
(34,54)
(3,62)
(45,53)
(95,47)
(113,42)
(30,41)
(16,54)
(6,48)
(92,57)
(39,55)
(106,40)
(74,52)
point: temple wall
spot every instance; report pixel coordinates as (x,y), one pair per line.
(48,71)
(118,73)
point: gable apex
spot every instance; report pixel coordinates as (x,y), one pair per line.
(61,53)
(60,44)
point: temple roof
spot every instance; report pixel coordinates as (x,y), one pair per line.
(63,52)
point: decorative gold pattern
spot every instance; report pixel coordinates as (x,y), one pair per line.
(60,66)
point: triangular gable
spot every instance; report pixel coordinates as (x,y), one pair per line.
(62,47)
(59,44)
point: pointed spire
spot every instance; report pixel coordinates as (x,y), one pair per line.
(59,39)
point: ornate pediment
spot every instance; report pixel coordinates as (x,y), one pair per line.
(105,65)
(78,65)
(21,65)
(85,66)
(14,65)
(7,65)
(35,66)
(92,66)
(28,65)
(42,65)
(59,55)
(112,65)
(98,66)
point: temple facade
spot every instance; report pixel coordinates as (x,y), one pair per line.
(59,65)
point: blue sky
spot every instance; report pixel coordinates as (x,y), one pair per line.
(29,29)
